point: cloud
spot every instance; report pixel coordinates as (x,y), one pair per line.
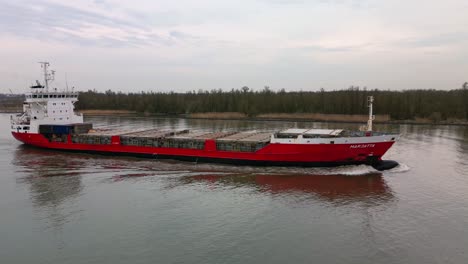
(191,44)
(48,21)
(436,40)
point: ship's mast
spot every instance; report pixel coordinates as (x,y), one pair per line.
(370,101)
(47,76)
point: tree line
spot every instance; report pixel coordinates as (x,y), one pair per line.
(400,105)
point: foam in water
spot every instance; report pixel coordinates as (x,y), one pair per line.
(399,169)
(352,170)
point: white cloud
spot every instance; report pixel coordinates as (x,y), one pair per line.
(185,45)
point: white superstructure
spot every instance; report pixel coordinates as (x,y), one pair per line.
(46,106)
(330,136)
(334,136)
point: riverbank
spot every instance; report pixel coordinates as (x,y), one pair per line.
(13,109)
(100,112)
(298,117)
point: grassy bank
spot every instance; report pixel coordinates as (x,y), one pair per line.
(284,117)
(13,109)
(99,112)
(324,117)
(217,115)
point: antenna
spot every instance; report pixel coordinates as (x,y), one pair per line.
(370,101)
(47,76)
(44,65)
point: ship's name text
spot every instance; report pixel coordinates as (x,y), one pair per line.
(362,146)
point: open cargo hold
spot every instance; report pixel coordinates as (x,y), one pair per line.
(244,141)
(91,139)
(224,141)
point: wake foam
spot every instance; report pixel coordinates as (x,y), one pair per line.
(399,169)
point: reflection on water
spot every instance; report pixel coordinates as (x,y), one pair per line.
(335,188)
(462,154)
(53,179)
(68,207)
(221,125)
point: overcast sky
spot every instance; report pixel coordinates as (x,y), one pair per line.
(209,44)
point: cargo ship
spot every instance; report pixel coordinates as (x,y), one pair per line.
(49,120)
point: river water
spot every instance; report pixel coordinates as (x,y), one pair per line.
(79,208)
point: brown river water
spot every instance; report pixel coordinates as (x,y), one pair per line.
(58,207)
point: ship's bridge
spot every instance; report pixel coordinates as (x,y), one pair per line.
(50,95)
(44,106)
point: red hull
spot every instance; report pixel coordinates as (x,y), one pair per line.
(326,154)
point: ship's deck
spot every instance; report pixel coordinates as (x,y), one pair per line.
(245,141)
(243,136)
